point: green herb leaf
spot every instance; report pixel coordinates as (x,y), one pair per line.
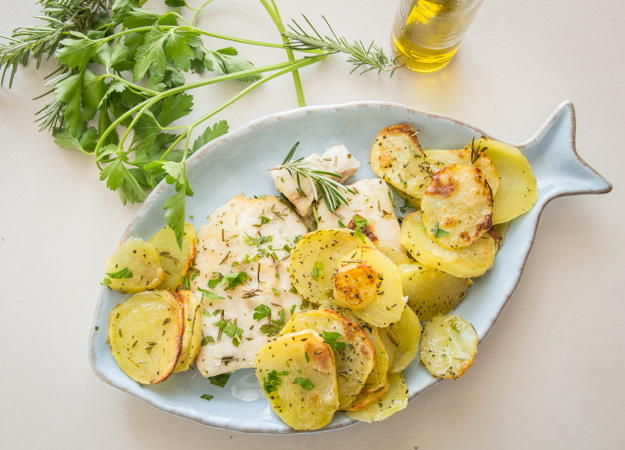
(207,340)
(120,274)
(213,282)
(439,232)
(230,329)
(274,326)
(306,383)
(234,280)
(175,3)
(209,295)
(220,380)
(207,397)
(218,129)
(261,311)
(360,224)
(273,380)
(317,271)
(332,339)
(77,50)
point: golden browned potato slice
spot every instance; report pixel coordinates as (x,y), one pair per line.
(355,284)
(397,158)
(448,347)
(314,259)
(518,190)
(405,334)
(457,206)
(175,260)
(441,158)
(134,267)
(384,303)
(145,335)
(354,352)
(190,337)
(299,377)
(432,292)
(391,402)
(467,262)
(366,397)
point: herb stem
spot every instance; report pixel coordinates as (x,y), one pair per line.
(274,13)
(199,11)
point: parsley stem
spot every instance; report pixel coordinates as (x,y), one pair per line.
(194,29)
(274,13)
(129,84)
(231,76)
(199,11)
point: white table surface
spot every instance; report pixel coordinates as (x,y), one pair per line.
(551,373)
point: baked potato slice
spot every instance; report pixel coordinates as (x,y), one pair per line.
(457,206)
(380,285)
(175,260)
(314,259)
(367,396)
(441,158)
(389,345)
(191,308)
(449,346)
(134,267)
(468,262)
(432,292)
(354,352)
(405,334)
(518,191)
(299,377)
(398,159)
(378,377)
(394,400)
(145,335)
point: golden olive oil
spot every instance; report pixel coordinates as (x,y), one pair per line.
(427,33)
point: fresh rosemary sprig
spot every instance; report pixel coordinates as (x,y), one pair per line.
(321,182)
(364,57)
(39,42)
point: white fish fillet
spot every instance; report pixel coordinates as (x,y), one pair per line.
(336,159)
(254,236)
(372,201)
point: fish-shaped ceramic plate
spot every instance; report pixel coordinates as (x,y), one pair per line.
(238,162)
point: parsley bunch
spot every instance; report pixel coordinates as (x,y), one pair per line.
(121,87)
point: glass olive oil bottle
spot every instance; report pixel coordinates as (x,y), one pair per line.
(427,33)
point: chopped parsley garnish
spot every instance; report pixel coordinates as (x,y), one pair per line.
(332,339)
(234,280)
(317,271)
(230,329)
(273,380)
(213,282)
(191,275)
(258,241)
(359,225)
(220,380)
(307,357)
(263,221)
(124,273)
(305,304)
(207,397)
(206,312)
(261,311)
(206,340)
(341,224)
(439,232)
(306,383)
(209,295)
(274,326)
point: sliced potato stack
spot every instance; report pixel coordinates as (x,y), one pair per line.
(145,334)
(393,400)
(155,333)
(366,281)
(354,352)
(314,258)
(467,262)
(134,267)
(299,376)
(174,259)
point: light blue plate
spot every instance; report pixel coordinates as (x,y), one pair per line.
(238,162)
